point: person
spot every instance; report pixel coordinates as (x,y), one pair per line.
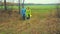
(28,13)
(23,10)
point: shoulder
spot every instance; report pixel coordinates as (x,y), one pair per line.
(24,8)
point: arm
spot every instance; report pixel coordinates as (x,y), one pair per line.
(30,11)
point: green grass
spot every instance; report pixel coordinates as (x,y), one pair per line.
(33,7)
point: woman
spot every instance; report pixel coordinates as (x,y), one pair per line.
(23,11)
(28,13)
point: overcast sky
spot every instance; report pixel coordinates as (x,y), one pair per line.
(42,1)
(38,1)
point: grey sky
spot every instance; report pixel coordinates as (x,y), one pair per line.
(42,1)
(38,1)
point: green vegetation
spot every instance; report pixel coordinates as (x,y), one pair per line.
(33,6)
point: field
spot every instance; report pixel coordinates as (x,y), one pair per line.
(43,21)
(33,6)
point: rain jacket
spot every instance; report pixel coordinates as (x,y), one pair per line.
(23,11)
(28,12)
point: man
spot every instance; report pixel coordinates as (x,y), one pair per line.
(28,13)
(23,10)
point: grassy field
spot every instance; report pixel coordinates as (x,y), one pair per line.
(34,6)
(43,21)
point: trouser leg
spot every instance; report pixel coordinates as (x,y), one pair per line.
(23,17)
(28,16)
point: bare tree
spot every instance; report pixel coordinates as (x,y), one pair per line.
(58,10)
(0,4)
(23,4)
(19,6)
(5,6)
